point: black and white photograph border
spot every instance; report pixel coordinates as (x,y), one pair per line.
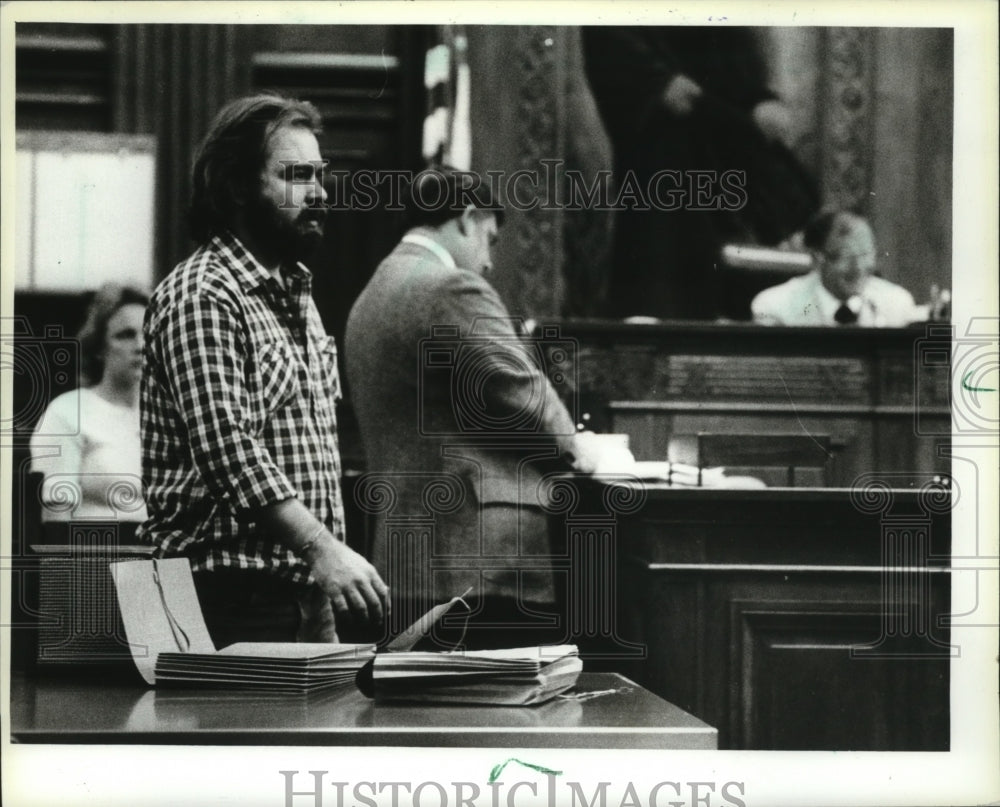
(306,775)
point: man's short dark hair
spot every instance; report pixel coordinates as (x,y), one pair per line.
(826,223)
(233,153)
(441,193)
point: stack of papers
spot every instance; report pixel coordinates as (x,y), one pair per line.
(276,666)
(680,474)
(520,676)
(171,645)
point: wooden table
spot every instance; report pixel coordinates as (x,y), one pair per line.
(58,710)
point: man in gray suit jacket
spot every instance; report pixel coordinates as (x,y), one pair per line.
(456,413)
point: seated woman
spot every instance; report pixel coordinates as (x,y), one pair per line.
(841,289)
(87,442)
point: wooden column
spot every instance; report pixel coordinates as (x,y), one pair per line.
(911,201)
(847,123)
(518,113)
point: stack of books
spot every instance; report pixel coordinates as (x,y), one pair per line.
(275,666)
(520,676)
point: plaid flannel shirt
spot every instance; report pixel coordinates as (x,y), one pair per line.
(238,411)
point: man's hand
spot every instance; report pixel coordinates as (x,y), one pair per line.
(680,95)
(350,581)
(774,121)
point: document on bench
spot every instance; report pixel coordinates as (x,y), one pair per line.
(171,645)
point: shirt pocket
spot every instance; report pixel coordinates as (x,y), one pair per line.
(329,372)
(278,374)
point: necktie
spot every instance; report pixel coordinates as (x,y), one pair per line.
(844,315)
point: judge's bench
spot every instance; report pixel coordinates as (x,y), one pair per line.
(809,615)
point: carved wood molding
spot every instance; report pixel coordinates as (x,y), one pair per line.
(849,114)
(539,135)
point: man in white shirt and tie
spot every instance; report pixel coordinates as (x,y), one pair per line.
(840,289)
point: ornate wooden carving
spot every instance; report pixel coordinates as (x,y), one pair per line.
(539,136)
(849,109)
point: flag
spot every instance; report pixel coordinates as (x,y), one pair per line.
(447,136)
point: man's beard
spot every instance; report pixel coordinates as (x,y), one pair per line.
(280,237)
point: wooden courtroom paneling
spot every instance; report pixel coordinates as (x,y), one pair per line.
(795,619)
(169,82)
(518,119)
(801,686)
(910,203)
(875,393)
(64,76)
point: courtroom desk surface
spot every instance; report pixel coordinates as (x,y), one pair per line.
(779,338)
(58,710)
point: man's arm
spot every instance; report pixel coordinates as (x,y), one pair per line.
(512,380)
(894,304)
(350,581)
(507,379)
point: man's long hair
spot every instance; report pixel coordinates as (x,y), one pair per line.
(229,160)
